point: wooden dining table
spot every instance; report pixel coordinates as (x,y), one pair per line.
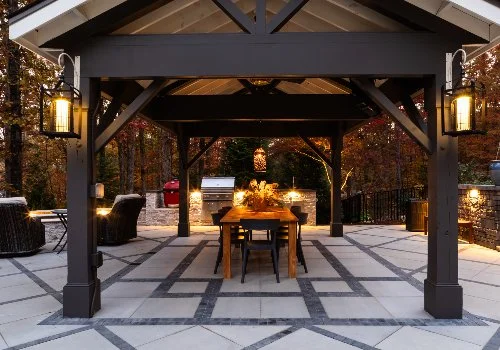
(234,216)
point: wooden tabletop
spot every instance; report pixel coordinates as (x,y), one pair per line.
(236,213)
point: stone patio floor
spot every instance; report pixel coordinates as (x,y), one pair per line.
(364,290)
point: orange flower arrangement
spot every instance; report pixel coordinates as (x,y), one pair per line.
(261,194)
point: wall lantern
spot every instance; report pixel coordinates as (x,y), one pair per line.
(465,100)
(259,160)
(60,107)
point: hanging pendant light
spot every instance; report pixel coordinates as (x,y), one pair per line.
(259,160)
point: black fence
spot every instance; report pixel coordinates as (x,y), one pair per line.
(385,207)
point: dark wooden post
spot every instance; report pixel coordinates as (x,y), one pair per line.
(336,228)
(183,147)
(82,293)
(443,296)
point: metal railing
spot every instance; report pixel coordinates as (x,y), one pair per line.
(384,207)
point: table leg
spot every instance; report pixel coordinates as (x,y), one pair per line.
(426,218)
(292,250)
(226,249)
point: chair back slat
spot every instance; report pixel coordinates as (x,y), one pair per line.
(302,218)
(260,224)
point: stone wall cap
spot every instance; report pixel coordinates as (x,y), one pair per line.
(478,187)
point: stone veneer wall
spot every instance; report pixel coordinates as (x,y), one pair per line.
(483,211)
(155,212)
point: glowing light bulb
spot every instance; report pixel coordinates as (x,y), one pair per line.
(463,108)
(62,115)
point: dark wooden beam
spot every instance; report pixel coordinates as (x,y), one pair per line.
(264,129)
(260,16)
(248,86)
(242,55)
(182,108)
(107,22)
(418,19)
(176,86)
(130,112)
(237,16)
(113,108)
(202,151)
(286,13)
(414,113)
(386,104)
(317,151)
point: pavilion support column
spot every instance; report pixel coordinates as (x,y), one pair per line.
(183,147)
(82,293)
(443,296)
(336,227)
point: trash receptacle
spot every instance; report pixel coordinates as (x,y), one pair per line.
(171,193)
(416,209)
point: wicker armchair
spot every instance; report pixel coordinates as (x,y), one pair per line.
(120,224)
(20,234)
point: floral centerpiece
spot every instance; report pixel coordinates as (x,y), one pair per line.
(261,194)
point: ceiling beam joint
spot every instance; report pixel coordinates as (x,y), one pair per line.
(129,113)
(394,113)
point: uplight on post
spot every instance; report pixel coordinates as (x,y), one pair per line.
(60,107)
(465,101)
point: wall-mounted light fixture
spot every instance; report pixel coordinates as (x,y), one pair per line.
(61,106)
(465,101)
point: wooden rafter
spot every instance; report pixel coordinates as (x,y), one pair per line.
(130,112)
(390,108)
(234,12)
(280,19)
(202,151)
(317,151)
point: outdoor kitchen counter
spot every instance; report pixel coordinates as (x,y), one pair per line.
(237,213)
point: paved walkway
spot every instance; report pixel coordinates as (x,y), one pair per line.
(364,290)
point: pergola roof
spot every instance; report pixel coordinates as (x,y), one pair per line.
(44,20)
(49,26)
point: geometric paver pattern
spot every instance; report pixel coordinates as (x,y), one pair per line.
(363,290)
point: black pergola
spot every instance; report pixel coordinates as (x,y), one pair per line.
(361,74)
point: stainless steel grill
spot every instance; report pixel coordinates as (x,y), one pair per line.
(217,192)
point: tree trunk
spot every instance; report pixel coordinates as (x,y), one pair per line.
(13,132)
(201,163)
(165,158)
(130,159)
(142,150)
(122,155)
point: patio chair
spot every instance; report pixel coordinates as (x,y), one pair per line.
(260,224)
(237,237)
(282,237)
(20,234)
(120,224)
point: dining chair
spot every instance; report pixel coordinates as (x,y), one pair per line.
(282,237)
(295,209)
(270,225)
(237,237)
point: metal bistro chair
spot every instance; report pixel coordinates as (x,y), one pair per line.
(260,224)
(237,237)
(282,236)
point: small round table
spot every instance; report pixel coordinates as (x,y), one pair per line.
(62,214)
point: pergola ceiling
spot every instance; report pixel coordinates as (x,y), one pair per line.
(203,16)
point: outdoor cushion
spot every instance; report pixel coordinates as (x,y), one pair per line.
(20,234)
(120,224)
(121,197)
(20,200)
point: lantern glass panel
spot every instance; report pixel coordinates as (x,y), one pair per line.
(461,109)
(61,112)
